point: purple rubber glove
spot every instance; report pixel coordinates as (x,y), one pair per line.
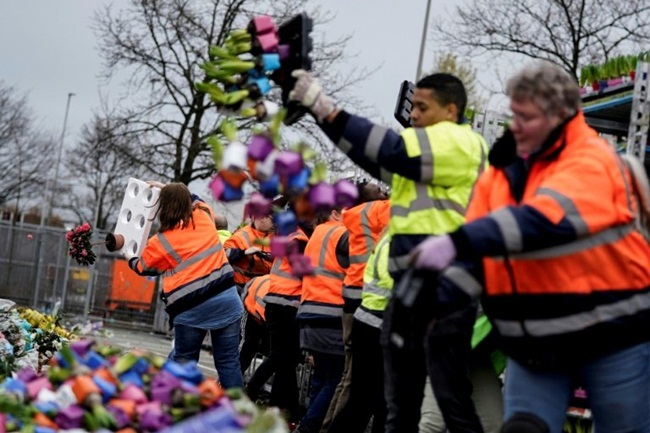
(434,254)
(309,92)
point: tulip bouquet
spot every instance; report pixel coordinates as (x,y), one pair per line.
(88,387)
(247,63)
(295,174)
(241,71)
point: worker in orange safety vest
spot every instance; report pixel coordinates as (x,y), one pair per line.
(320,312)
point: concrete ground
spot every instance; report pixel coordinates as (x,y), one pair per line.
(149,341)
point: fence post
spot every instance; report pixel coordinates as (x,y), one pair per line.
(57,270)
(66,278)
(39,263)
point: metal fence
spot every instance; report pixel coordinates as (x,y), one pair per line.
(36,271)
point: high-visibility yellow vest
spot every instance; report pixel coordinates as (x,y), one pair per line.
(224,235)
(377,285)
(452,156)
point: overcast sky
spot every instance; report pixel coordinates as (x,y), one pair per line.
(47,49)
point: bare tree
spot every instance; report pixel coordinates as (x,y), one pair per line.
(98,172)
(24,150)
(463,69)
(569,33)
(160,45)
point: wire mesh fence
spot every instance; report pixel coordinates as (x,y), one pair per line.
(36,271)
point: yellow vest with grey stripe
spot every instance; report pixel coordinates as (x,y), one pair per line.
(377,285)
(453,156)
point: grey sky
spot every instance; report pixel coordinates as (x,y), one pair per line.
(47,49)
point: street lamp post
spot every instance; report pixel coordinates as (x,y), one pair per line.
(424,40)
(52,189)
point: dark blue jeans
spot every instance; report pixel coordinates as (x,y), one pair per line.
(328,370)
(225,350)
(617,385)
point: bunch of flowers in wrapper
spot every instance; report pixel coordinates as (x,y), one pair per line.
(98,388)
(47,333)
(80,246)
(28,338)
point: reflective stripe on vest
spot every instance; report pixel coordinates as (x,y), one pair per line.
(182,264)
(574,322)
(285,288)
(428,205)
(373,289)
(366,234)
(463,280)
(399,263)
(321,294)
(254,293)
(320,269)
(423,202)
(199,269)
(513,234)
(377,290)
(422,199)
(368,318)
(354,274)
(373,142)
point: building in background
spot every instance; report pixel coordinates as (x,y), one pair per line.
(490,124)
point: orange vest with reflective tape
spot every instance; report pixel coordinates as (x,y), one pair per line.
(365,222)
(285,288)
(322,291)
(592,292)
(249,266)
(254,293)
(192,261)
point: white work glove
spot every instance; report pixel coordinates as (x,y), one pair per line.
(252,250)
(309,92)
(434,254)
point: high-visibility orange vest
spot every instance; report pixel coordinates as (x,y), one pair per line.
(365,222)
(254,293)
(285,288)
(249,266)
(593,291)
(192,261)
(322,292)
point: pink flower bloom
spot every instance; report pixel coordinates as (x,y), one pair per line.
(80,247)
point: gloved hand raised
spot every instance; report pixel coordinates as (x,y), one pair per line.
(434,254)
(309,92)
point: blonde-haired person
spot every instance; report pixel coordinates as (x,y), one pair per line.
(198,288)
(552,246)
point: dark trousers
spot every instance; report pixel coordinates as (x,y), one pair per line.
(256,340)
(448,357)
(284,356)
(402,341)
(405,332)
(328,369)
(261,375)
(366,396)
